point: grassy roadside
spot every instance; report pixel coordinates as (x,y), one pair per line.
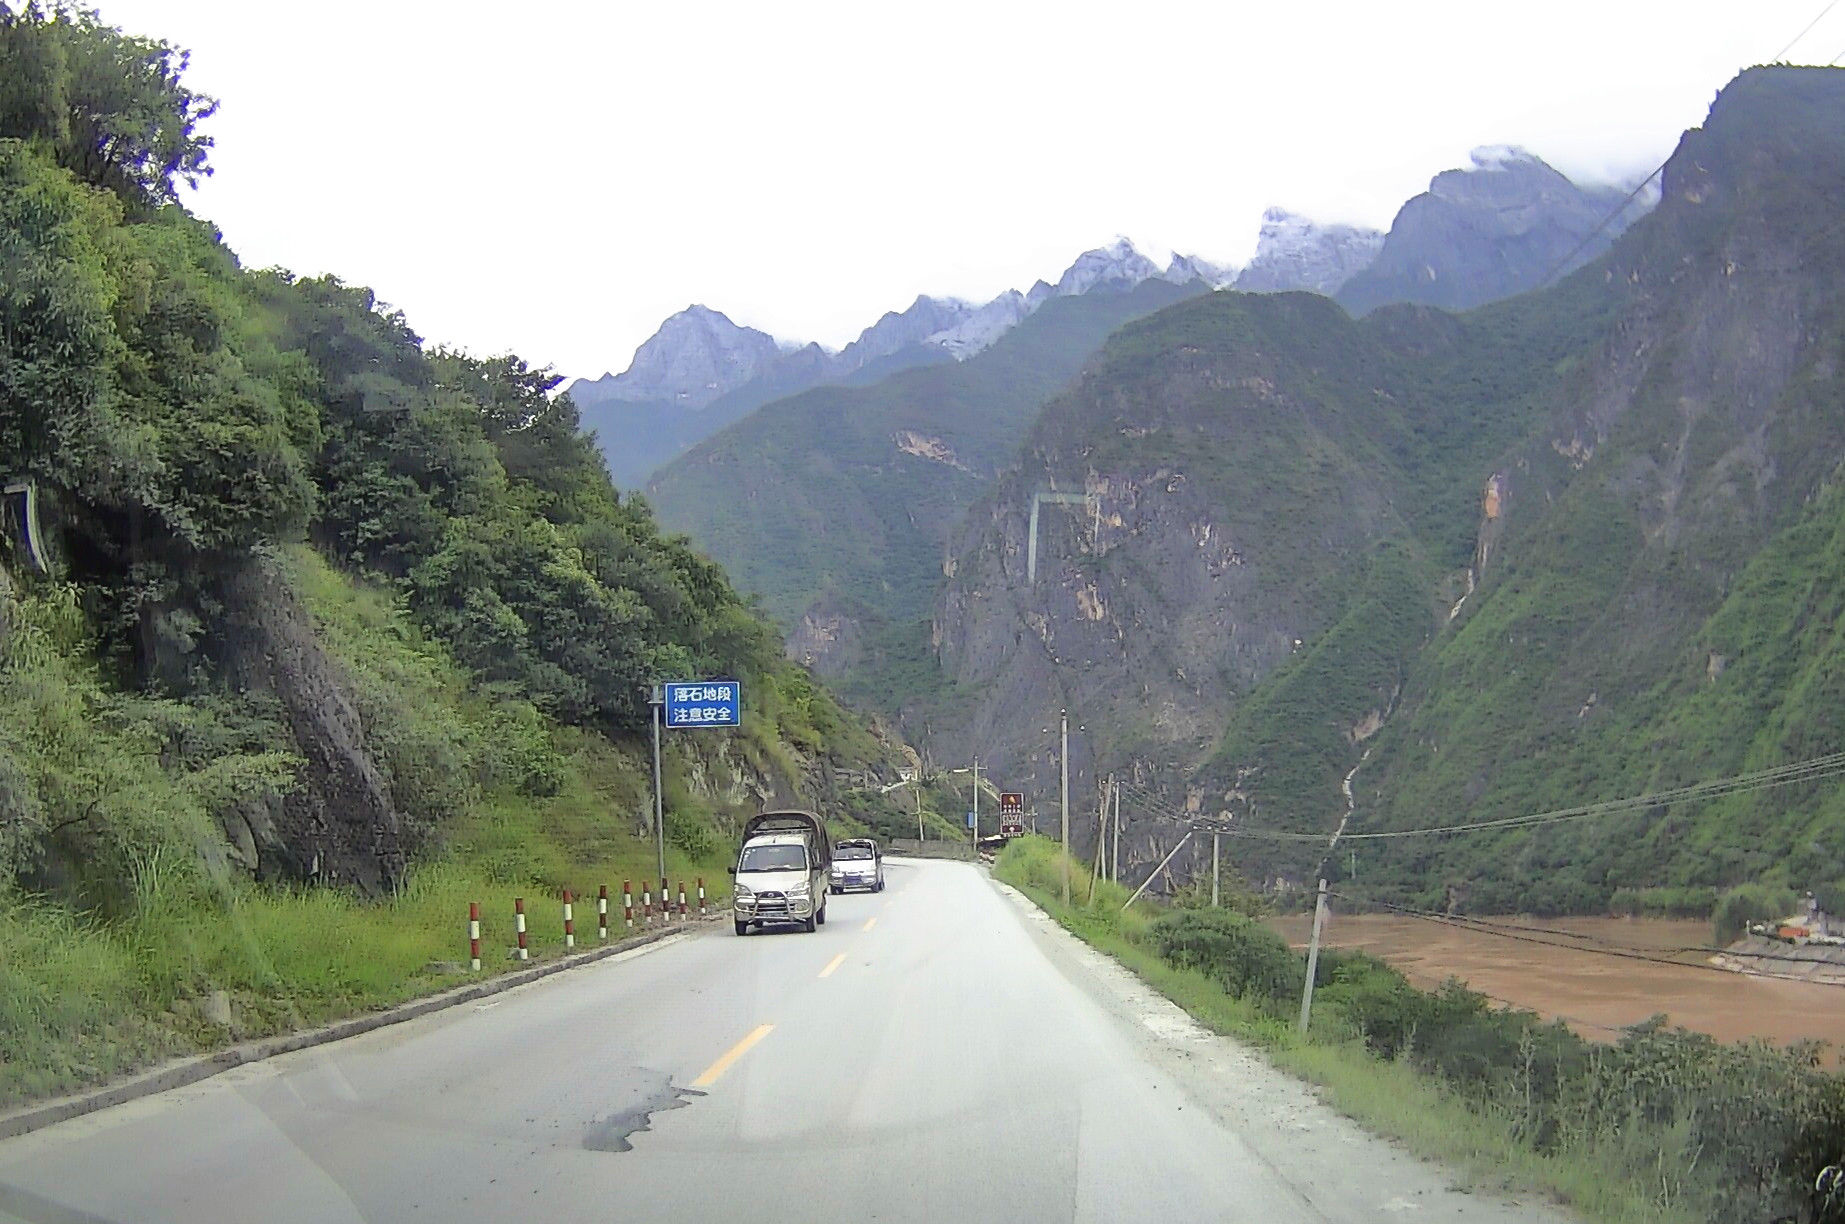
(84,999)
(511,804)
(1608,1184)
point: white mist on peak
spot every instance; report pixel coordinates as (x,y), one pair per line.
(1297,252)
(1499,156)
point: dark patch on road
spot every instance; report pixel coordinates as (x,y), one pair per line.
(22,1204)
(611,1134)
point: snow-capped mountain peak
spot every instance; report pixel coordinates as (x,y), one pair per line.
(1296,252)
(1499,156)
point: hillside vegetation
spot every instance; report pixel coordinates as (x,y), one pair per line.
(1659,1126)
(318,613)
(834,505)
(1568,547)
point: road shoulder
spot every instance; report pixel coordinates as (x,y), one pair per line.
(180,1072)
(1346,1172)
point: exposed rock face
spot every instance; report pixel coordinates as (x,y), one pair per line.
(1117,265)
(1172,587)
(701,372)
(1502,226)
(1296,253)
(927,317)
(826,637)
(983,325)
(339,824)
(696,356)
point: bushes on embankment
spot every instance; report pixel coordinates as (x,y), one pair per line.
(1660,1124)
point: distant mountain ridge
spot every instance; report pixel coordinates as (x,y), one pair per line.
(1505,224)
(701,370)
(1420,568)
(1295,252)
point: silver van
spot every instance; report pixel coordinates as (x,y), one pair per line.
(782,872)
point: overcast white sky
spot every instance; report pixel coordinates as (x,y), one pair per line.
(556,178)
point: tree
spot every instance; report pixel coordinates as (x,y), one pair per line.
(111,107)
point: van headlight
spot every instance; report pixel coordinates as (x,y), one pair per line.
(741,893)
(802,890)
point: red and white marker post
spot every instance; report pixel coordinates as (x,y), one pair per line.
(519,926)
(666,901)
(682,898)
(646,905)
(474,935)
(701,896)
(627,902)
(570,924)
(602,913)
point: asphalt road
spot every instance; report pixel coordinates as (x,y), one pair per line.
(939,1051)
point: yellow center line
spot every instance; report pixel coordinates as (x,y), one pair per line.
(833,964)
(717,1069)
(871,922)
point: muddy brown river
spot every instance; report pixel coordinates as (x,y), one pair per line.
(1595,994)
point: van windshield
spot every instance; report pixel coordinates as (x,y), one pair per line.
(773,858)
(852,852)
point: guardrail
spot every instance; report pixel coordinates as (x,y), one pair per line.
(667,915)
(932,849)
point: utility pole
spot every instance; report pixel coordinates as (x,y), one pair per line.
(1156,871)
(659,806)
(1115,866)
(919,824)
(1101,840)
(1063,759)
(1313,957)
(1215,836)
(975,831)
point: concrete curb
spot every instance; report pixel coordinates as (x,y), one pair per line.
(180,1072)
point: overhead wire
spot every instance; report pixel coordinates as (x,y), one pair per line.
(1494,926)
(1619,953)
(1150,801)
(1813,769)
(1562,265)
(1805,30)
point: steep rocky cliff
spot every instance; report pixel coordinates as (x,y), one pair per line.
(1505,224)
(834,505)
(1467,566)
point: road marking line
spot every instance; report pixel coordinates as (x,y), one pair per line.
(715,1070)
(871,922)
(833,964)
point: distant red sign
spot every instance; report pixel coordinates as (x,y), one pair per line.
(1011,803)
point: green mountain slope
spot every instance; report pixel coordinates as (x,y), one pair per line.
(1496,562)
(310,633)
(1660,610)
(833,506)
(1270,494)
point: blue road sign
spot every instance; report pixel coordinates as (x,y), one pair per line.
(970,820)
(703,703)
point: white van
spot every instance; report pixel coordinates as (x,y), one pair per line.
(782,872)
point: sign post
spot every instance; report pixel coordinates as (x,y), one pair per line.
(683,705)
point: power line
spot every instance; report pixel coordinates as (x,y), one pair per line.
(1812,770)
(1782,53)
(1493,927)
(1621,954)
(1150,801)
(1563,264)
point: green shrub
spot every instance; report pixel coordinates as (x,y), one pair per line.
(1247,958)
(1689,902)
(1747,903)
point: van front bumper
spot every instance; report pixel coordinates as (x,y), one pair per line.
(772,907)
